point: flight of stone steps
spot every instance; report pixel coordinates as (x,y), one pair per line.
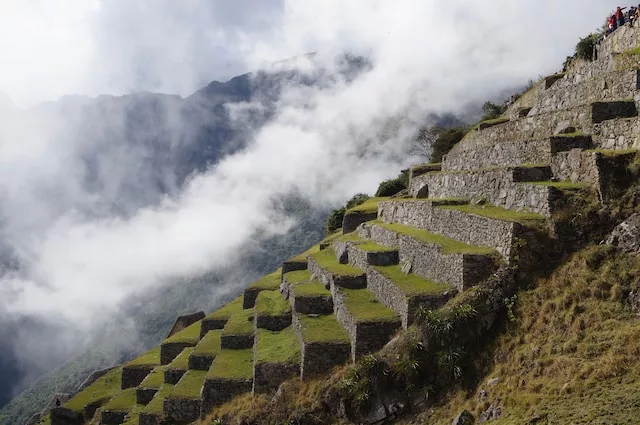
(350,294)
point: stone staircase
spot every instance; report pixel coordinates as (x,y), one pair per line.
(349,295)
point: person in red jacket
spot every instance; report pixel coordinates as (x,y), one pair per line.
(620,15)
(612,24)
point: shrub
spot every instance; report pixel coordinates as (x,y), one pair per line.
(356,200)
(446,139)
(334,221)
(584,48)
(392,186)
(491,111)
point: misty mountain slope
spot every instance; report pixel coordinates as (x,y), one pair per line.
(120,154)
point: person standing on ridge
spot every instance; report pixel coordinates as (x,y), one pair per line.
(620,16)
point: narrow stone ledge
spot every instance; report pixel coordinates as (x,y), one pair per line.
(218,391)
(132,376)
(182,410)
(267,377)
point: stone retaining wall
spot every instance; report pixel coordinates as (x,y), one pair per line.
(474,155)
(132,376)
(200,361)
(364,259)
(249,298)
(149,419)
(322,304)
(236,342)
(498,187)
(426,259)
(366,337)
(212,324)
(329,279)
(405,305)
(145,395)
(469,228)
(64,416)
(273,323)
(618,134)
(108,417)
(90,409)
(169,351)
(172,376)
(267,377)
(218,391)
(184,322)
(577,166)
(350,222)
(574,90)
(319,357)
(182,410)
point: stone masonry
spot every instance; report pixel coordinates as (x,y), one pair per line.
(182,410)
(133,376)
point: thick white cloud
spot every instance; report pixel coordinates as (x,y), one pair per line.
(429,56)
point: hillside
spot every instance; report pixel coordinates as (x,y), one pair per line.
(484,287)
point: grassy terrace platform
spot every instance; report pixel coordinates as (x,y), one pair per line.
(189,386)
(491,211)
(302,257)
(369,206)
(448,246)
(411,284)
(150,358)
(156,405)
(277,347)
(241,323)
(322,329)
(155,379)
(189,335)
(301,276)
(227,310)
(104,388)
(364,244)
(363,305)
(271,303)
(122,402)
(268,282)
(209,345)
(232,364)
(327,260)
(312,289)
(182,361)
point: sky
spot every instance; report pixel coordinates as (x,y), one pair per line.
(428,56)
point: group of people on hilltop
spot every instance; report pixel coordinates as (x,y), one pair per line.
(620,18)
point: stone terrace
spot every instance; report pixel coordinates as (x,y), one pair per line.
(350,294)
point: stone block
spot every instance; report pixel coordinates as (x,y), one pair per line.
(149,419)
(200,361)
(212,324)
(172,376)
(109,417)
(181,410)
(145,395)
(364,259)
(320,304)
(293,266)
(267,377)
(132,376)
(273,323)
(236,342)
(320,357)
(350,222)
(249,298)
(218,391)
(169,351)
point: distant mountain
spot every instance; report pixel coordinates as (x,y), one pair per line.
(155,142)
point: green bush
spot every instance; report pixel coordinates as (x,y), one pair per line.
(447,138)
(334,221)
(356,200)
(392,186)
(491,111)
(584,48)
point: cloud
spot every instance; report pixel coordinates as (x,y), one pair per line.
(429,56)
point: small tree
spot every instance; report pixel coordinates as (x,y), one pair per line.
(585,47)
(334,221)
(492,111)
